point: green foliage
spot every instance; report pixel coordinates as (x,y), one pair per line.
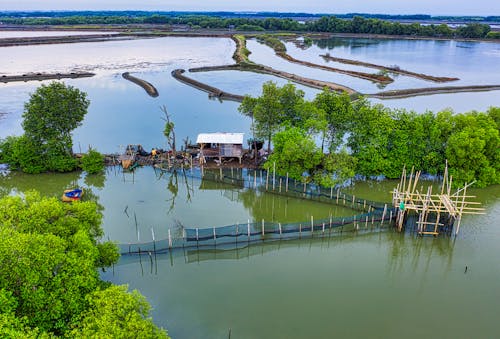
(380,141)
(336,169)
(49,117)
(246,27)
(473,150)
(279,106)
(20,153)
(51,114)
(114,313)
(346,23)
(49,285)
(273,42)
(92,162)
(294,153)
(338,111)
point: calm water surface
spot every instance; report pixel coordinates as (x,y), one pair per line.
(381,285)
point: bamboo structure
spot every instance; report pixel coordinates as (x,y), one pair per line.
(444,205)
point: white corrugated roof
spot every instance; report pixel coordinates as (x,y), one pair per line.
(220,138)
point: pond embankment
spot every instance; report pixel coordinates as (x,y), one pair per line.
(148,87)
(44,76)
(319,84)
(64,39)
(391,69)
(280,50)
(413,92)
(212,91)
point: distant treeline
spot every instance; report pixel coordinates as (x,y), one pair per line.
(367,24)
(51,14)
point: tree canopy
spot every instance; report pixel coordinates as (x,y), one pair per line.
(48,282)
(372,140)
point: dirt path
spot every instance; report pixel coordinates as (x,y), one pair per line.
(389,69)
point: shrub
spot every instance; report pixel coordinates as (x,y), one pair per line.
(92,162)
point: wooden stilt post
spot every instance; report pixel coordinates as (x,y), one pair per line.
(279,227)
(331,193)
(263,230)
(312,224)
(237,232)
(267,180)
(248,230)
(366,222)
(286,185)
(169,239)
(274,175)
(338,192)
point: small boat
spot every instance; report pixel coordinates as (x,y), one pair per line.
(72,195)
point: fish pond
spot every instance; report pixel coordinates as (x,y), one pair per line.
(380,284)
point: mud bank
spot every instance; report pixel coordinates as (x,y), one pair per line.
(44,76)
(148,87)
(213,92)
(66,39)
(281,74)
(388,69)
(413,92)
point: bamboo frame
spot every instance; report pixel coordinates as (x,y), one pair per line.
(453,205)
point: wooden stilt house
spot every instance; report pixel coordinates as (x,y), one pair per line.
(220,145)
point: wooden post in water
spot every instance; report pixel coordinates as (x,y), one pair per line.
(286,185)
(274,175)
(344,198)
(323,229)
(248,229)
(263,231)
(197,237)
(353,197)
(169,239)
(312,224)
(255,179)
(300,231)
(237,233)
(280,186)
(267,180)
(331,193)
(366,222)
(338,192)
(215,236)
(154,242)
(279,227)
(383,215)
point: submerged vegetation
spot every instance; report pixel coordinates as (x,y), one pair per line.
(371,140)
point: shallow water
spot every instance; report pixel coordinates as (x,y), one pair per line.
(380,284)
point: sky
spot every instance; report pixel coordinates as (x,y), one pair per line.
(432,7)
